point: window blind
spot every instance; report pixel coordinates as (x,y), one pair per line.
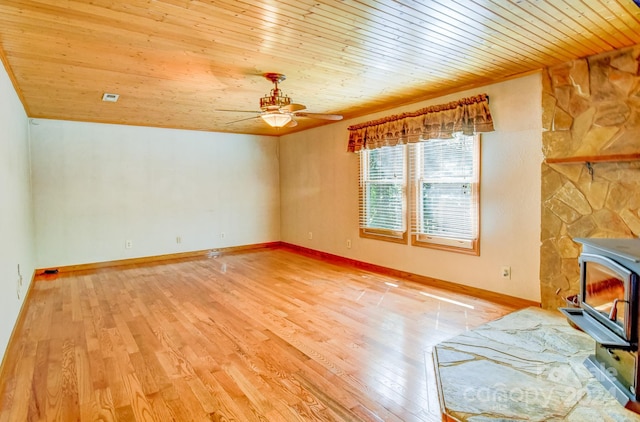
(445,176)
(383,191)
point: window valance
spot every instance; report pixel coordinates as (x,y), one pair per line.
(468,115)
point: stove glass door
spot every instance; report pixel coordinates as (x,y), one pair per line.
(605,292)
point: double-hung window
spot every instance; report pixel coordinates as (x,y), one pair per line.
(437,189)
(383,197)
(445,193)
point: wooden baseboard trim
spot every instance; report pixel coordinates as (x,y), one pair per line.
(158,258)
(17,327)
(429,281)
(434,282)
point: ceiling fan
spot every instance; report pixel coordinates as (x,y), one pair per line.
(277,110)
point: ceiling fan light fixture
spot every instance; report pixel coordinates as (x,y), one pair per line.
(276,119)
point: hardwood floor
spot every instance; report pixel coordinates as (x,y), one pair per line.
(267,335)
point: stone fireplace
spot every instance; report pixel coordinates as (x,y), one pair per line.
(591,177)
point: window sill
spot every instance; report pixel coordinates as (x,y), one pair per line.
(473,250)
(387,236)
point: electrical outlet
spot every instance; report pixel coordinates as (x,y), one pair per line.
(506,272)
(178,239)
(128,244)
(348,243)
(310,235)
(221,235)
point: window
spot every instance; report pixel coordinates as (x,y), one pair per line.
(444,189)
(383,181)
(445,193)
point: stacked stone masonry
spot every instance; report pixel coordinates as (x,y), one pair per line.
(590,107)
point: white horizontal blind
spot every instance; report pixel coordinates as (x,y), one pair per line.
(445,191)
(383,181)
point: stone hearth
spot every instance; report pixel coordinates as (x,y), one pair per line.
(527,365)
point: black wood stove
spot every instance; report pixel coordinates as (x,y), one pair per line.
(608,311)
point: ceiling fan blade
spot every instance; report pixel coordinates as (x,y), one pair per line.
(292,123)
(321,116)
(238,111)
(294,107)
(242,120)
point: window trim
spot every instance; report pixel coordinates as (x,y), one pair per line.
(420,239)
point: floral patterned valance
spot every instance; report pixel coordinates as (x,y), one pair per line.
(468,115)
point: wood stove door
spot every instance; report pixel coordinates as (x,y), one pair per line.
(608,293)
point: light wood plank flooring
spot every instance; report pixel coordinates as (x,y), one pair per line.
(266,335)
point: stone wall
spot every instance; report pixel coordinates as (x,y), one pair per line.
(591,107)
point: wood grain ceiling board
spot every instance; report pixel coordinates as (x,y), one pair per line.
(175,62)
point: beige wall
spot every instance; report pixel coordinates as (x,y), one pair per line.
(591,107)
(98,185)
(319,191)
(16,218)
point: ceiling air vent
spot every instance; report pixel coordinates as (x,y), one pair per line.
(110,98)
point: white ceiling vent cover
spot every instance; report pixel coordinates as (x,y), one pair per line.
(110,98)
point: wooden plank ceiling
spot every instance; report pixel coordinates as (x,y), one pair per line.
(175,62)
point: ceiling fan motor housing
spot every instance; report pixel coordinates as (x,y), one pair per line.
(276,99)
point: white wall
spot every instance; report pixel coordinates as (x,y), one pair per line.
(319,191)
(98,185)
(16,218)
